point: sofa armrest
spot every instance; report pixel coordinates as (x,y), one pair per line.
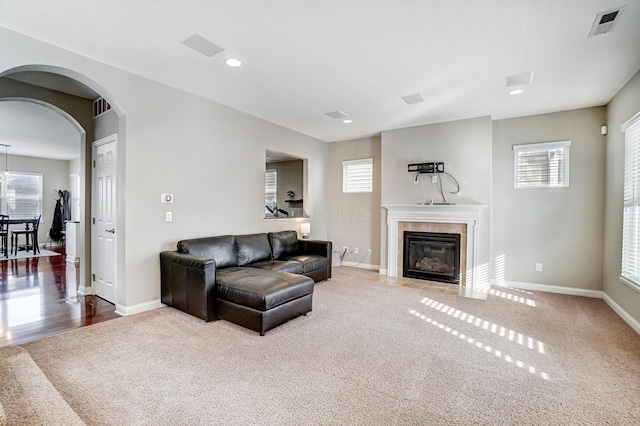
(317,248)
(188,283)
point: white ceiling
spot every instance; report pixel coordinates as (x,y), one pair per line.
(303,59)
(33,130)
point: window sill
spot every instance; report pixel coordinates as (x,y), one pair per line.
(630,283)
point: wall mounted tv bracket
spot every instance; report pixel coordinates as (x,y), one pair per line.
(434,167)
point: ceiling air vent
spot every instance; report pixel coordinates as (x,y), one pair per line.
(605,22)
(336,115)
(413,99)
(202,45)
(100,106)
(518,79)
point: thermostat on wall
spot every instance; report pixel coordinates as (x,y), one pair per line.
(167,198)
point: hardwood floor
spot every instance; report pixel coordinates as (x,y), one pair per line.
(39,297)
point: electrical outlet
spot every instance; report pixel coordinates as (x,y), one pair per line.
(538,267)
(355,250)
(345,248)
(335,249)
(369,252)
(434,179)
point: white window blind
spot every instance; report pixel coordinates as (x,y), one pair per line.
(21,194)
(357,175)
(542,165)
(270,192)
(631,214)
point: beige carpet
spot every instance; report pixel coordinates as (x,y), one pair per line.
(26,397)
(369,354)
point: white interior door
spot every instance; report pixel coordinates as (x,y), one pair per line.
(104,229)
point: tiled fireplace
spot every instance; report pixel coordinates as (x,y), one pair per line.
(456,220)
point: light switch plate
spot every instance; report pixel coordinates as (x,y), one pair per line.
(168,217)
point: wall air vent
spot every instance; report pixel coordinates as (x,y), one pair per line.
(337,115)
(100,106)
(605,22)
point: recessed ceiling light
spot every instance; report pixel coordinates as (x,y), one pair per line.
(347,121)
(515,91)
(233,62)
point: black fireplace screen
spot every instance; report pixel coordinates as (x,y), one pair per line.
(432,256)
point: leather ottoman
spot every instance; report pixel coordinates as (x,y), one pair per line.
(261,299)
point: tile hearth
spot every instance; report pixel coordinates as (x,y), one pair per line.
(460,290)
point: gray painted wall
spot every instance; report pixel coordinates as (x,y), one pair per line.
(465,148)
(105,125)
(353,220)
(622,107)
(562,228)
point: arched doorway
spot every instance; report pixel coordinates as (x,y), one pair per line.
(71,95)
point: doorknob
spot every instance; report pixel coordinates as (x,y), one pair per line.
(113,231)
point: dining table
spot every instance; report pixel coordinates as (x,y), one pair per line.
(27,222)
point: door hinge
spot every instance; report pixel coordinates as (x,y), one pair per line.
(94,163)
(93,220)
(93,277)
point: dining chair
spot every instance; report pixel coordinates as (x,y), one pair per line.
(4,234)
(29,233)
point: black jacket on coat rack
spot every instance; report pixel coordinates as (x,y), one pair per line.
(55,232)
(66,206)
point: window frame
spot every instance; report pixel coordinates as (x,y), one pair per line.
(348,169)
(630,259)
(540,147)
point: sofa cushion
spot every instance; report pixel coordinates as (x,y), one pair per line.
(222,249)
(310,262)
(290,266)
(252,248)
(259,288)
(283,244)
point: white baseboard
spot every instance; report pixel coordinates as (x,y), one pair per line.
(85,291)
(633,323)
(361,265)
(383,272)
(551,288)
(136,309)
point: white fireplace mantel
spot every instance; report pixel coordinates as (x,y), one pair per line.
(468,214)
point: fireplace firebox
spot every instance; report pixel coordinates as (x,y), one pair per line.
(432,256)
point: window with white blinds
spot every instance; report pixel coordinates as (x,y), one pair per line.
(542,165)
(21,194)
(270,192)
(357,175)
(631,214)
